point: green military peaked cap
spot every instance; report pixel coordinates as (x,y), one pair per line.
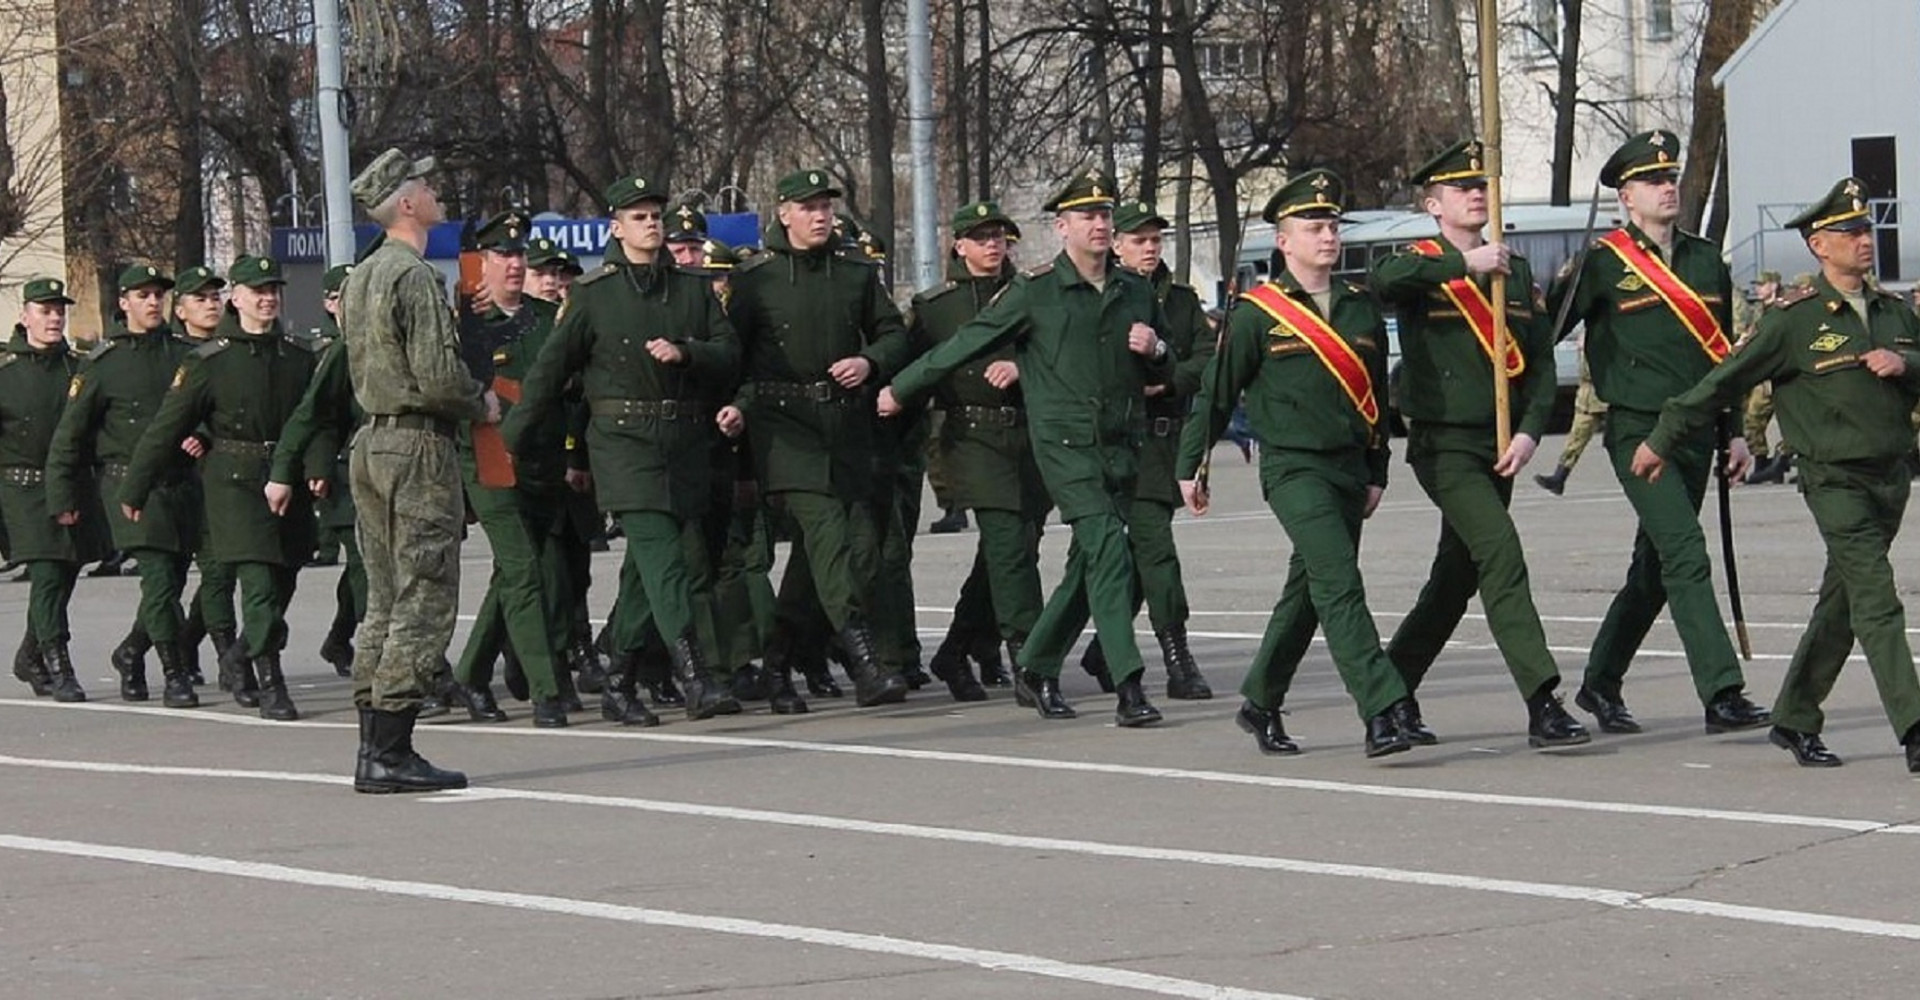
(1644,155)
(45,290)
(1462,164)
(718,257)
(1316,194)
(847,231)
(504,233)
(256,272)
(804,184)
(1086,189)
(197,279)
(1130,216)
(632,190)
(686,224)
(335,277)
(142,275)
(386,174)
(1844,209)
(544,252)
(981,213)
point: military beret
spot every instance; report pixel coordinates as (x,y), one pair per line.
(802,185)
(504,233)
(45,290)
(255,272)
(686,224)
(1844,209)
(142,275)
(981,213)
(1131,216)
(386,174)
(1087,189)
(197,279)
(1639,158)
(1462,164)
(335,277)
(1316,194)
(632,190)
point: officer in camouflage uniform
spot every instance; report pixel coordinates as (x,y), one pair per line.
(198,303)
(115,397)
(1770,465)
(1844,359)
(35,371)
(403,356)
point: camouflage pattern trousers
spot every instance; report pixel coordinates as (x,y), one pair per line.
(408,513)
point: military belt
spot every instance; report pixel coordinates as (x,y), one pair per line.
(115,469)
(996,416)
(413,422)
(1162,427)
(812,392)
(261,450)
(663,409)
(22,475)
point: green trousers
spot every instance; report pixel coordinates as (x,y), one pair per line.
(665,556)
(891,600)
(1321,503)
(527,580)
(214,595)
(350,593)
(840,554)
(1479,550)
(1156,563)
(1670,567)
(266,591)
(1098,583)
(50,589)
(163,578)
(1001,595)
(1858,508)
(743,593)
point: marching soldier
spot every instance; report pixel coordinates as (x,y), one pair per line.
(1657,305)
(34,374)
(115,397)
(198,302)
(334,500)
(1589,413)
(1088,341)
(550,270)
(643,335)
(1844,359)
(241,386)
(1439,290)
(687,236)
(1770,465)
(1309,352)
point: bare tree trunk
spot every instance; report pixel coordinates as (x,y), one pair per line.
(1566,96)
(656,110)
(1203,126)
(1152,89)
(983,80)
(1728,24)
(879,86)
(1099,33)
(1454,69)
(190,225)
(957,108)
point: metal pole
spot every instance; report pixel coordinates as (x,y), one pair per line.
(926,226)
(336,171)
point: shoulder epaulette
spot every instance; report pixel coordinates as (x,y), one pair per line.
(8,357)
(1356,289)
(1793,296)
(212,347)
(309,346)
(1038,272)
(755,262)
(935,292)
(99,349)
(598,273)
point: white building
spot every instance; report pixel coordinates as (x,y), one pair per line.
(1823,89)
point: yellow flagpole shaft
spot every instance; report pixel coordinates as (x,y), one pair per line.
(1489,29)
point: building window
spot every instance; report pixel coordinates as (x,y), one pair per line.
(1544,23)
(1659,20)
(1228,60)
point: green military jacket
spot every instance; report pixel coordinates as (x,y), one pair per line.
(241,387)
(321,426)
(112,401)
(405,349)
(1085,391)
(1831,407)
(1446,377)
(983,437)
(516,341)
(1293,402)
(797,314)
(1193,345)
(33,392)
(649,435)
(1637,350)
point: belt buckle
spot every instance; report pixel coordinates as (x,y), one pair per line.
(1162,426)
(820,392)
(669,409)
(1009,415)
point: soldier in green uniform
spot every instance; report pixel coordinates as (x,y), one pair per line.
(1844,359)
(1089,340)
(686,229)
(198,301)
(525,601)
(982,444)
(643,336)
(1770,465)
(115,397)
(551,269)
(333,502)
(1309,352)
(1440,291)
(35,371)
(240,387)
(1657,306)
(817,334)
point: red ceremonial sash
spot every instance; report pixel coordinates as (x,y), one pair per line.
(1333,351)
(1475,307)
(1684,301)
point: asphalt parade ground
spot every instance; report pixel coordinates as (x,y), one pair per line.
(939,850)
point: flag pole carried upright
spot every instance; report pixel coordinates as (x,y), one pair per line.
(1490,138)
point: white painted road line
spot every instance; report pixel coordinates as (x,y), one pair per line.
(1046,764)
(992,961)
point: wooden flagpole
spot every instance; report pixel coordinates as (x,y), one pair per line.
(1490,138)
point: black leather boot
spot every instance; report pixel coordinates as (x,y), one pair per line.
(178,692)
(950,665)
(1269,733)
(563,679)
(1549,725)
(275,703)
(222,640)
(1023,695)
(337,648)
(236,675)
(363,758)
(130,662)
(1184,682)
(28,668)
(439,699)
(782,697)
(1556,483)
(620,701)
(915,675)
(585,661)
(750,683)
(986,656)
(1407,719)
(479,703)
(394,766)
(655,667)
(1384,736)
(1094,662)
(60,680)
(191,635)
(706,695)
(1133,709)
(872,683)
(549,713)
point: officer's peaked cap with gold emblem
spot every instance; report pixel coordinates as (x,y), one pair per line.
(1315,194)
(1084,190)
(1844,209)
(1462,164)
(504,233)
(1643,157)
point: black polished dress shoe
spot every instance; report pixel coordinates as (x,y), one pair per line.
(479,703)
(1549,725)
(1406,718)
(549,713)
(1807,748)
(1383,736)
(1268,732)
(1133,709)
(1730,710)
(821,683)
(1047,699)
(1610,713)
